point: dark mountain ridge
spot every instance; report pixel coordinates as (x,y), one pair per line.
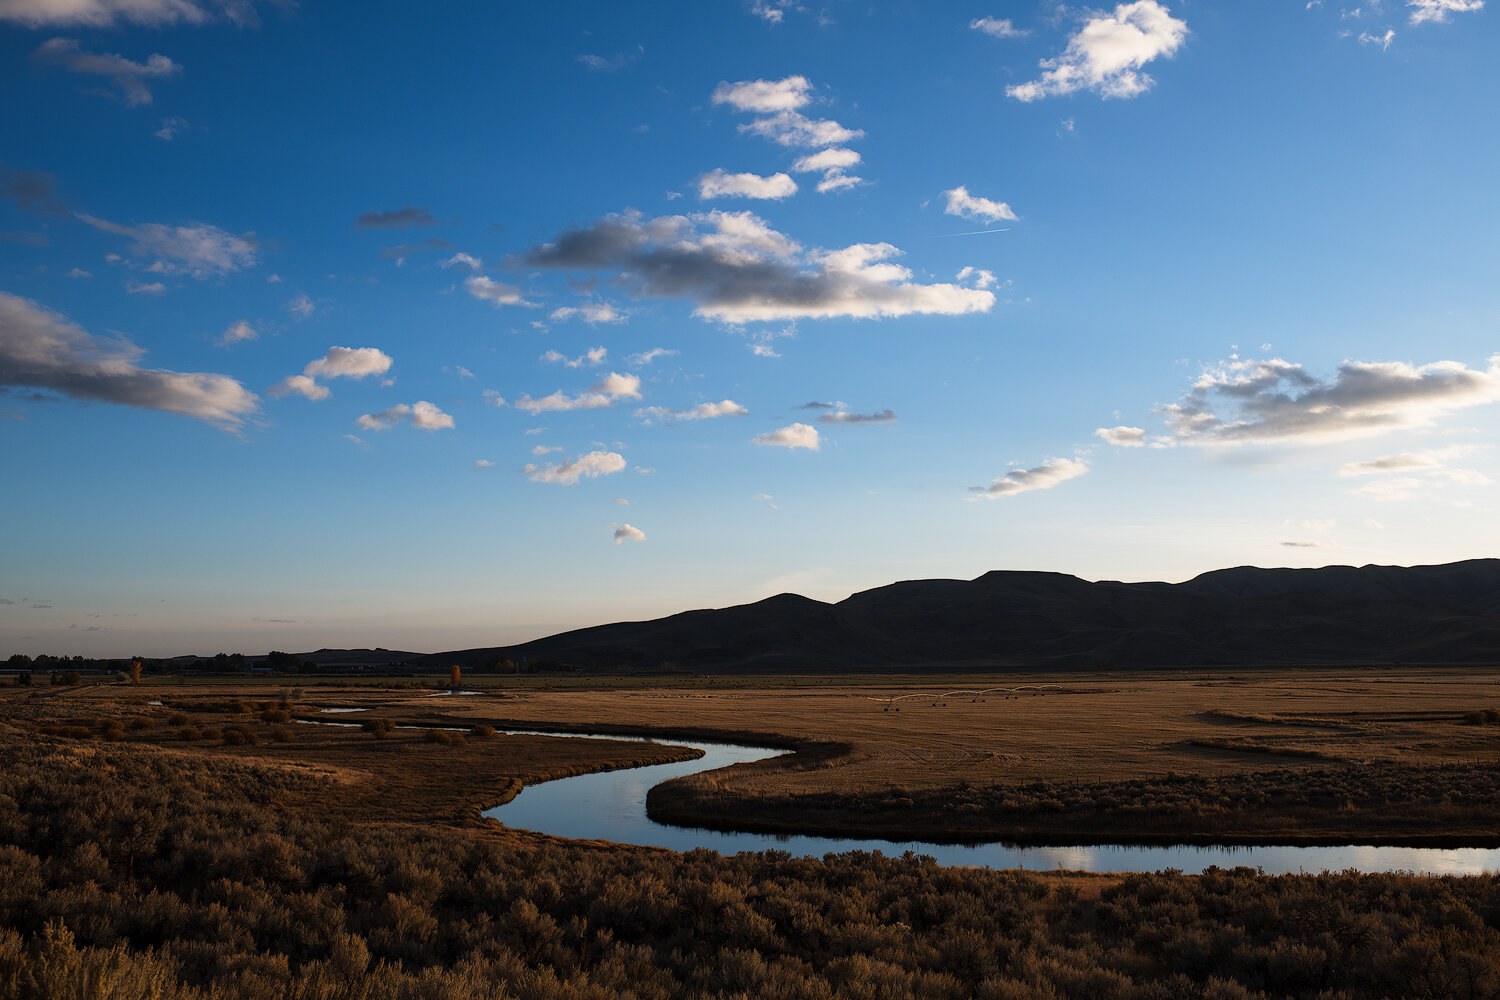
(1244,616)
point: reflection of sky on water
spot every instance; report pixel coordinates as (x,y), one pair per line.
(611,805)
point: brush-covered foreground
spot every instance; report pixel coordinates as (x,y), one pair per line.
(151,865)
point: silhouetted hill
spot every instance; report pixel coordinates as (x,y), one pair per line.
(1243,616)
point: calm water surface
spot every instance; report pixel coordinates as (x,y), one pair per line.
(612,806)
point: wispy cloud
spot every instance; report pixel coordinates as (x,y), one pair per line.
(567,473)
(605,392)
(41,349)
(703,411)
(997,27)
(840,416)
(1106,54)
(400,218)
(1042,477)
(629,533)
(129,78)
(496,293)
(590,312)
(198,249)
(593,356)
(646,357)
(237,333)
(105,13)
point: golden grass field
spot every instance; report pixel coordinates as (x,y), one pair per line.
(905,732)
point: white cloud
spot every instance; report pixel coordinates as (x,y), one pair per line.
(832,163)
(483,463)
(646,357)
(429,417)
(593,356)
(997,27)
(300,385)
(591,466)
(199,250)
(544,449)
(982,278)
(78,272)
(827,159)
(496,293)
(385,419)
(719,184)
(629,532)
(1106,54)
(457,370)
(493,397)
(422,414)
(349,362)
(968,206)
(589,312)
(1437,11)
(40,349)
(143,288)
(1246,401)
(737,269)
(1042,477)
(103,13)
(1122,436)
(129,77)
(1384,41)
(301,307)
(792,436)
(703,411)
(761,96)
(791,128)
(605,392)
(621,502)
(466,260)
(169,128)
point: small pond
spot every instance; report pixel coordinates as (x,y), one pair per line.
(611,805)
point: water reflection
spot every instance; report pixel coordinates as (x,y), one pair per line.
(611,805)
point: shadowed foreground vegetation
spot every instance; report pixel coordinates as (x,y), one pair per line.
(130,871)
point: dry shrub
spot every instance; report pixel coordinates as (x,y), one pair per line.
(140,723)
(113,730)
(239,736)
(276,715)
(178,719)
(378,728)
(282,734)
(482,732)
(437,736)
(213,733)
(190,733)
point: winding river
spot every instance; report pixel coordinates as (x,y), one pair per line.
(611,805)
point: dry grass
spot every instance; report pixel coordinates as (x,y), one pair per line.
(901,733)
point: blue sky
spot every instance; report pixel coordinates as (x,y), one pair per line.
(427,327)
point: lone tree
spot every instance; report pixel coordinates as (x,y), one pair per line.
(455,675)
(135,671)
